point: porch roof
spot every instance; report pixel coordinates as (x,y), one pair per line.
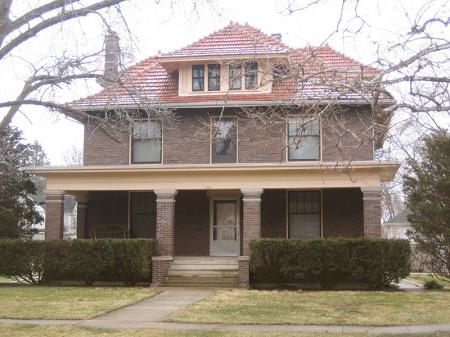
(219,176)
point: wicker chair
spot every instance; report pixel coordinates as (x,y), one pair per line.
(110,232)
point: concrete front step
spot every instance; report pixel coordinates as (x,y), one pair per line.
(201,284)
(200,267)
(177,261)
(188,272)
(203,271)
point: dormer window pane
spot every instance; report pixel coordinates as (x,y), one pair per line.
(251,75)
(198,77)
(213,77)
(235,76)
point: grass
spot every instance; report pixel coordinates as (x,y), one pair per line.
(36,302)
(66,331)
(374,308)
(423,278)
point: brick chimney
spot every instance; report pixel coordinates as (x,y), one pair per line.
(112,59)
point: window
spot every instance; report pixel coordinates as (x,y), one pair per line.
(304,214)
(251,75)
(234,74)
(224,140)
(304,139)
(143,215)
(198,77)
(213,77)
(146,142)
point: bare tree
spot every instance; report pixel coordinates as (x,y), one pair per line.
(74,157)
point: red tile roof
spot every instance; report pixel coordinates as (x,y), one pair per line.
(149,83)
(234,39)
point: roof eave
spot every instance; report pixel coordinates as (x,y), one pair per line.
(231,104)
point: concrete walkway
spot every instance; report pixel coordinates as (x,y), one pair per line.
(154,309)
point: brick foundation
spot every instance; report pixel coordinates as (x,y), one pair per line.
(372,212)
(244,271)
(165,221)
(160,269)
(54,215)
(251,218)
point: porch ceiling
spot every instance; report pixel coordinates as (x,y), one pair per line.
(218,176)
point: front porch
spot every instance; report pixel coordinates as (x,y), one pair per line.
(217,211)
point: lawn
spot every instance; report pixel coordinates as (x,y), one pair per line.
(423,278)
(38,331)
(373,308)
(36,302)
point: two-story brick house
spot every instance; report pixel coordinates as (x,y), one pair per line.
(209,179)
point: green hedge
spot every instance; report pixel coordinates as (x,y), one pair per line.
(329,262)
(85,261)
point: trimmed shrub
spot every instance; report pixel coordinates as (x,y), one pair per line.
(432,284)
(85,261)
(22,260)
(374,262)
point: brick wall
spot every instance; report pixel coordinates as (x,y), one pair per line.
(99,149)
(106,208)
(192,223)
(165,221)
(251,218)
(372,212)
(186,140)
(54,216)
(342,212)
(338,135)
(160,269)
(259,145)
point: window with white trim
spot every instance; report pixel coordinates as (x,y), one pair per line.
(235,76)
(198,77)
(213,77)
(251,75)
(303,139)
(304,214)
(146,142)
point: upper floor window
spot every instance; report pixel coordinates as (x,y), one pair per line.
(213,77)
(224,140)
(198,77)
(235,76)
(146,142)
(304,139)
(304,214)
(251,75)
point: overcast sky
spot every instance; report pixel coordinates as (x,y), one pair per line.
(162,27)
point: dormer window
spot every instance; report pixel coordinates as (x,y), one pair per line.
(198,77)
(251,75)
(235,76)
(213,77)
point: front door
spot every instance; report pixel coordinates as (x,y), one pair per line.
(225,228)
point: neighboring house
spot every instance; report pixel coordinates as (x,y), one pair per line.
(397,227)
(211,179)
